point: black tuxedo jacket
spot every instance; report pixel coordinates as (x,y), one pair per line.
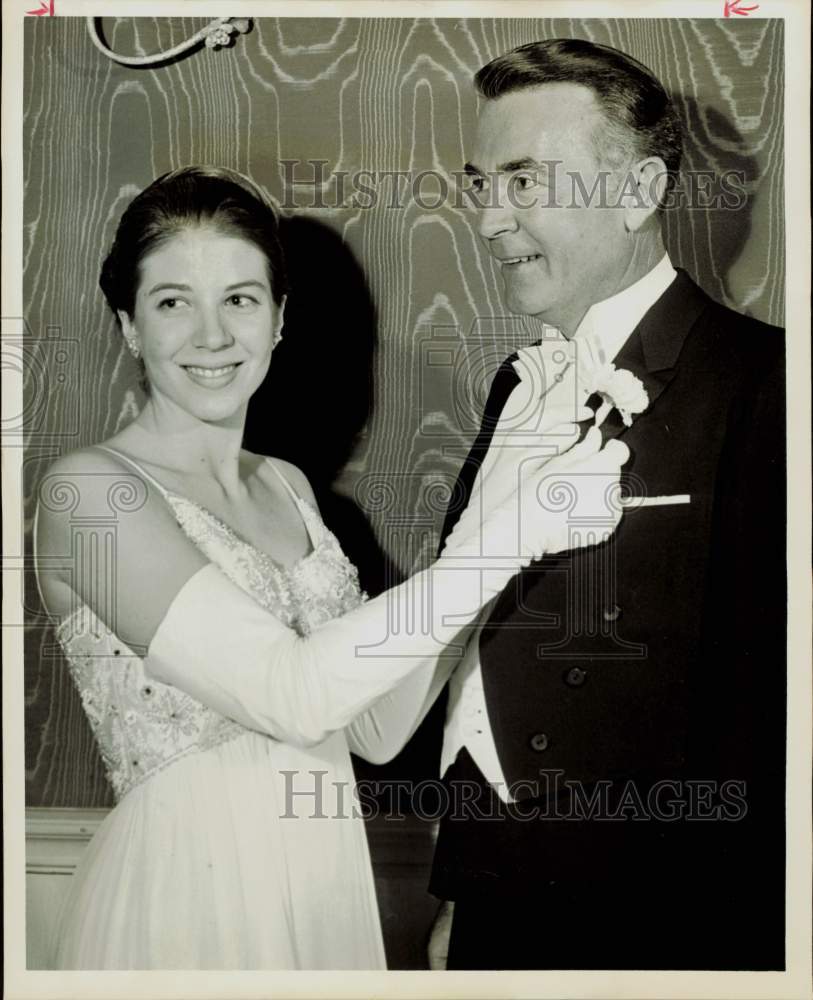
(656,660)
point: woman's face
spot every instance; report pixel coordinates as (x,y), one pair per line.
(205,322)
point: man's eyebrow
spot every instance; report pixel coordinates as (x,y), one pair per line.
(524,163)
(244,284)
(509,167)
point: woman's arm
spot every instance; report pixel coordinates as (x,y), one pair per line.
(107,539)
(384,729)
(225,650)
(206,636)
(380,733)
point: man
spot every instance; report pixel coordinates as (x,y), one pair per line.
(614,743)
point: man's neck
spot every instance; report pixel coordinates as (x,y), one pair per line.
(647,252)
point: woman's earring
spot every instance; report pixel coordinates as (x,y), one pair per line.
(133,348)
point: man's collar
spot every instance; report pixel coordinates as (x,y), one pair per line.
(607,325)
(666,324)
(652,351)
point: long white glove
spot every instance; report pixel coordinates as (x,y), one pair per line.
(217,644)
(383,730)
(542,499)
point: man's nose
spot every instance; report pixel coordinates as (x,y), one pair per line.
(212,332)
(496,215)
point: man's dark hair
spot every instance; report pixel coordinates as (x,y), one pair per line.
(640,119)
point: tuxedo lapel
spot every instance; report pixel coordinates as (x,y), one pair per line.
(503,385)
(652,350)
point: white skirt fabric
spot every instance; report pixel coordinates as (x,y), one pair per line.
(213,863)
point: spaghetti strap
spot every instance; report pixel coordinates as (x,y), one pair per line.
(312,521)
(141,471)
(289,489)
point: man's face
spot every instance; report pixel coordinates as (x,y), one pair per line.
(559,250)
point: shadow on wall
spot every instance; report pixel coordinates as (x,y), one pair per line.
(720,176)
(312,406)
(318,393)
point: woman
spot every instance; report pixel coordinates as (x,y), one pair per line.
(223,652)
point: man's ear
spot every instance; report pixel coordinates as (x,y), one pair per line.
(643,191)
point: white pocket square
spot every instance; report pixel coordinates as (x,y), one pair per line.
(632,503)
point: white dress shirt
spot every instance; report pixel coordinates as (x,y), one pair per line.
(605,329)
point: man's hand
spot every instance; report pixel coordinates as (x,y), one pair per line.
(437,950)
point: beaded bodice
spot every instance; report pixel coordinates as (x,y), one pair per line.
(141,725)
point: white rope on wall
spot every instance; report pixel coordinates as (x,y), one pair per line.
(216,34)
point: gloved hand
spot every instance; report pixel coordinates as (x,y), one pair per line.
(552,498)
(548,434)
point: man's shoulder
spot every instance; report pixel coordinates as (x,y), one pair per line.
(741,323)
(738,340)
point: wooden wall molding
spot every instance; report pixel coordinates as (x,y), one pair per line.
(55,838)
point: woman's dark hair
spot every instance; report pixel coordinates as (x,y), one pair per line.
(640,119)
(211,197)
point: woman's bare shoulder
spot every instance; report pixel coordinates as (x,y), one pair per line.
(94,483)
(295,477)
(105,532)
(85,461)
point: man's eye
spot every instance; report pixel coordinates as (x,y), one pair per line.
(476,182)
(241,301)
(525,181)
(170,303)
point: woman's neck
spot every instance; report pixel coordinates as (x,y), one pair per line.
(191,448)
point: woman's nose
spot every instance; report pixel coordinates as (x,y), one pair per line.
(212,332)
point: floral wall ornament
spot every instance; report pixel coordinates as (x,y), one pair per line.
(219,33)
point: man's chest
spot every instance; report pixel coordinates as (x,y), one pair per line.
(650,578)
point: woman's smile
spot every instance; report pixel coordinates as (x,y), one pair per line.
(206,321)
(210,377)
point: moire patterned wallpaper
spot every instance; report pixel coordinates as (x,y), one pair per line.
(395,321)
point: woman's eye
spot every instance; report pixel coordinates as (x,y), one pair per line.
(170,304)
(241,301)
(476,182)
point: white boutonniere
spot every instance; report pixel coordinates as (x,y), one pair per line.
(618,387)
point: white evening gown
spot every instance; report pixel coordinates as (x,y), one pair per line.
(201,864)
